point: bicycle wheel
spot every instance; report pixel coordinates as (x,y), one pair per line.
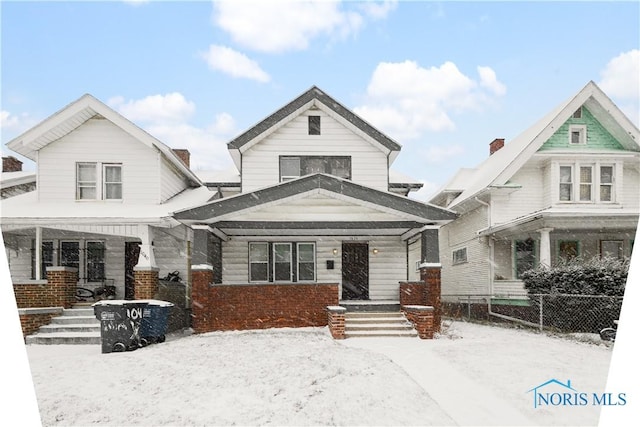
(84,294)
(608,334)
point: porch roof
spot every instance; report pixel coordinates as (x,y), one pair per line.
(567,219)
(409,213)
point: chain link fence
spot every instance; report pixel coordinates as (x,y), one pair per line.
(563,313)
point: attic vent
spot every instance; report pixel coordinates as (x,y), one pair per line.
(578,113)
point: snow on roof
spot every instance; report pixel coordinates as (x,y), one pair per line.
(230,175)
(27,207)
(396,177)
(10,179)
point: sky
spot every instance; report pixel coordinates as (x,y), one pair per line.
(443,79)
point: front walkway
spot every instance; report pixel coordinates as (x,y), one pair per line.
(463,399)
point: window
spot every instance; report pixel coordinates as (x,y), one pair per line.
(95,261)
(306,262)
(525,256)
(292,167)
(86,181)
(88,175)
(112,182)
(577,135)
(611,249)
(586,174)
(88,257)
(606,183)
(282,262)
(459,256)
(258,262)
(314,125)
(566,183)
(595,182)
(568,250)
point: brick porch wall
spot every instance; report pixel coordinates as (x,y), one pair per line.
(218,307)
(32,318)
(145,282)
(431,276)
(413,293)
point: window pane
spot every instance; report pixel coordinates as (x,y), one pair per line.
(282,252)
(306,261)
(87,192)
(585,174)
(259,272)
(113,174)
(605,193)
(306,271)
(585,192)
(568,250)
(86,172)
(611,249)
(259,252)
(305,252)
(289,166)
(70,254)
(314,165)
(95,261)
(606,174)
(113,191)
(525,256)
(282,261)
(340,168)
(565,192)
(575,137)
(565,173)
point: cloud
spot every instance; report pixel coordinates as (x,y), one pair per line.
(166,118)
(621,76)
(234,63)
(439,154)
(7,120)
(172,107)
(621,81)
(488,79)
(378,10)
(14,124)
(287,25)
(406,100)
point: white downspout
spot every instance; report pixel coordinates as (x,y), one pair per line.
(491,253)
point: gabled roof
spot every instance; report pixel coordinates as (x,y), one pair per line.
(498,168)
(331,184)
(73,116)
(312,98)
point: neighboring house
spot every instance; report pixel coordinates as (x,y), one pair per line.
(103,203)
(314,203)
(14,180)
(567,187)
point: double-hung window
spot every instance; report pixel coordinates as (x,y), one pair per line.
(566,183)
(586,182)
(606,183)
(86,256)
(282,262)
(98,181)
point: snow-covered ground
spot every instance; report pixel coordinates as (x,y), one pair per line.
(471,375)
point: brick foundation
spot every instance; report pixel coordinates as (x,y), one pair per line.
(145,282)
(422,318)
(336,319)
(218,307)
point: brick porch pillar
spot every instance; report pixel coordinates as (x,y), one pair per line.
(430,274)
(145,281)
(422,319)
(201,304)
(61,286)
(336,316)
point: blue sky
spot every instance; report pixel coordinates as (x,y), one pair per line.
(441,78)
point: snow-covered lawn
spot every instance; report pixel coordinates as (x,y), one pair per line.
(473,374)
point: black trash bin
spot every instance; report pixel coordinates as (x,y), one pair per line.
(120,322)
(155,317)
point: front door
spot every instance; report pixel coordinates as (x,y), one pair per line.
(131,253)
(355,271)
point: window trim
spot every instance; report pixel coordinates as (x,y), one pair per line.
(100,181)
(294,263)
(79,183)
(315,264)
(460,260)
(105,183)
(582,134)
(576,183)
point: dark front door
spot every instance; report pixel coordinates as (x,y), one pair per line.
(131,253)
(355,271)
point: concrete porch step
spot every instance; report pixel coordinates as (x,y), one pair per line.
(74,326)
(378,324)
(64,338)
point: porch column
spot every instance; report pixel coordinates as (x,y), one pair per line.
(38,253)
(202,308)
(545,246)
(430,270)
(146,259)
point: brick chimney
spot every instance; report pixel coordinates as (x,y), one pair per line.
(495,145)
(184,155)
(11,164)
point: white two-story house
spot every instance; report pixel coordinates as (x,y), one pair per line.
(567,187)
(103,200)
(315,202)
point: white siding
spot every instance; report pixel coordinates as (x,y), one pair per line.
(98,140)
(415,251)
(260,164)
(171,181)
(631,188)
(170,251)
(471,277)
(520,202)
(386,269)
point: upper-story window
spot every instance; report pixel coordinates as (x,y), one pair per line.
(98,181)
(314,125)
(577,135)
(585,182)
(292,167)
